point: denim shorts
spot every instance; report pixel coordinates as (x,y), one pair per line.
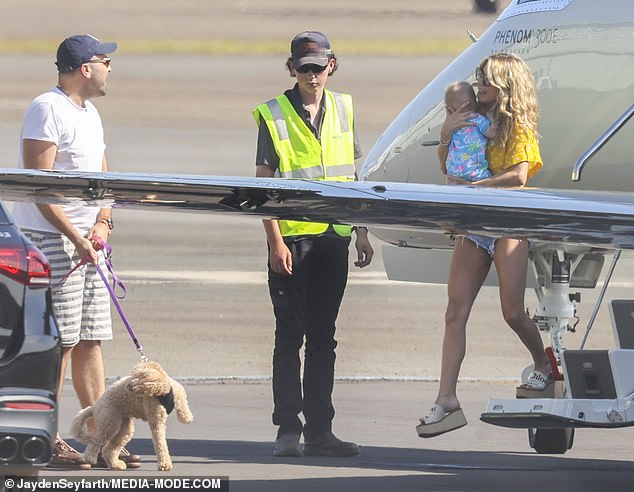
(485,242)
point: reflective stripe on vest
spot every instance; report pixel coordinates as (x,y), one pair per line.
(301,154)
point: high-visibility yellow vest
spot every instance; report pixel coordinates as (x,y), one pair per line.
(303,156)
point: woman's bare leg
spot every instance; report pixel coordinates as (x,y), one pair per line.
(511,263)
(469,267)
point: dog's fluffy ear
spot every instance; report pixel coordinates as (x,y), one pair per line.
(149,378)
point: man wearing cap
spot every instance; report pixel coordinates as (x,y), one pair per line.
(62,130)
(308,132)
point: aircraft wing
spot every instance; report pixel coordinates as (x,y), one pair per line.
(593,218)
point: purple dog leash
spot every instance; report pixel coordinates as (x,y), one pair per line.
(111,289)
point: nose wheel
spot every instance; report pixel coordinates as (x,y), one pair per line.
(551,441)
(546,440)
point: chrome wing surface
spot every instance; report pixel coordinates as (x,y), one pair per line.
(602,219)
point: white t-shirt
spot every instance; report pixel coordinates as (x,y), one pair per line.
(78,134)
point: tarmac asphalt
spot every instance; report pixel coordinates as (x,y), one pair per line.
(231,436)
(197,297)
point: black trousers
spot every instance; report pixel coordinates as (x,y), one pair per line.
(306,305)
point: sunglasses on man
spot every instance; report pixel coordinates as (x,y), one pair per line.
(106,61)
(309,67)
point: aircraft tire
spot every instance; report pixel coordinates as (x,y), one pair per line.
(551,441)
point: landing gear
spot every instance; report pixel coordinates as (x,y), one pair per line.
(580,401)
(556,272)
(551,441)
(547,440)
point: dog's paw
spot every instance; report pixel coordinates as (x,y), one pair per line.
(91,458)
(118,465)
(165,466)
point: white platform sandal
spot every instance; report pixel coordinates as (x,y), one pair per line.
(439,421)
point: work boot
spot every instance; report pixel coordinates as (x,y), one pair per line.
(327,444)
(64,456)
(287,445)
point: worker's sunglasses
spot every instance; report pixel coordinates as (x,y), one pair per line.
(481,77)
(106,61)
(316,69)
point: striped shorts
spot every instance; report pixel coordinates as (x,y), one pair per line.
(81,304)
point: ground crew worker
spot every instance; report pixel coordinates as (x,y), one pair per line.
(308,132)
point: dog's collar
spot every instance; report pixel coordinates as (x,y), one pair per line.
(167,400)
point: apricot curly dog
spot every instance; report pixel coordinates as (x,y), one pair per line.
(148,394)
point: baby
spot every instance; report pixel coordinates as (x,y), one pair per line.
(467,147)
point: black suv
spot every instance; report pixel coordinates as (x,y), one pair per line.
(30,354)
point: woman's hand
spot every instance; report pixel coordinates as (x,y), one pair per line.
(456,119)
(455,180)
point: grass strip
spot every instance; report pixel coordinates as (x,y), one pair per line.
(385,47)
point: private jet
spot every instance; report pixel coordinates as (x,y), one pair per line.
(577,212)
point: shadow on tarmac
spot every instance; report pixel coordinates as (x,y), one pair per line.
(394,469)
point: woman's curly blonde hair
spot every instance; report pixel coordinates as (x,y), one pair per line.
(517,97)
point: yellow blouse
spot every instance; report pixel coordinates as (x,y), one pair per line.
(521,146)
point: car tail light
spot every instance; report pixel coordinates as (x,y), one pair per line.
(31,269)
(28,405)
(13,263)
(39,269)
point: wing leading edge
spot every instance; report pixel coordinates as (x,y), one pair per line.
(604,219)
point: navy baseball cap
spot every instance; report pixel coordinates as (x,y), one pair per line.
(77,50)
(310,47)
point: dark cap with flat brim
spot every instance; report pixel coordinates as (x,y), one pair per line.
(310,47)
(77,50)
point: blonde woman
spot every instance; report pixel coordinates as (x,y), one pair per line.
(507,97)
